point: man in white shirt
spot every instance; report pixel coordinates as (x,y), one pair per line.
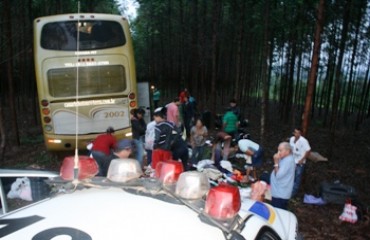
(301,149)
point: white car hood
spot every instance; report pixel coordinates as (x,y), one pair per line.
(112,213)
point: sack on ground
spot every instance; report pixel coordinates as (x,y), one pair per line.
(349,213)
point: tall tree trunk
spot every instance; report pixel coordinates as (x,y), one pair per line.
(364,95)
(11,95)
(194,69)
(238,56)
(314,66)
(337,84)
(2,134)
(216,8)
(265,74)
(352,66)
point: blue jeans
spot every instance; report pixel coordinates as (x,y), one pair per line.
(100,159)
(280,203)
(197,154)
(257,158)
(148,156)
(139,151)
(297,178)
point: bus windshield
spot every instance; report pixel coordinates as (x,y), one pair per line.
(93,35)
(93,80)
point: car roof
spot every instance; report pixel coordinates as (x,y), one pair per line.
(27,173)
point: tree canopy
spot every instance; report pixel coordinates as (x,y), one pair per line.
(237,48)
(259,52)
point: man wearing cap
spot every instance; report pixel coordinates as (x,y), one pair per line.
(122,150)
(162,137)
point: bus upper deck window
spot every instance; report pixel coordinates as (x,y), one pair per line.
(94,34)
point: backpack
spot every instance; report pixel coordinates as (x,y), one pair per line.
(175,137)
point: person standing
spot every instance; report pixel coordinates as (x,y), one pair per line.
(198,134)
(301,149)
(102,148)
(162,137)
(156,97)
(138,126)
(282,177)
(230,123)
(180,150)
(173,114)
(235,108)
(149,141)
(188,115)
(184,93)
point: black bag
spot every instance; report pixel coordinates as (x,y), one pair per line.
(337,192)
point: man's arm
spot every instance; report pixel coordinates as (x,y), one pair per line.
(276,163)
(305,156)
(157,134)
(306,147)
(280,169)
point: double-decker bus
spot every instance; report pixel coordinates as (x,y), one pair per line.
(85,72)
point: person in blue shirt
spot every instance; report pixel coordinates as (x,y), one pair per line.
(282,177)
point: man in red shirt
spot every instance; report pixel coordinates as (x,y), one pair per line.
(102,148)
(184,93)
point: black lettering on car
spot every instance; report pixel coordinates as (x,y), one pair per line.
(51,233)
(13,225)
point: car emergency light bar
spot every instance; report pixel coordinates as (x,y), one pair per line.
(87,166)
(169,171)
(124,170)
(192,185)
(222,202)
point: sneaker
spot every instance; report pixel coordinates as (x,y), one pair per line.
(149,171)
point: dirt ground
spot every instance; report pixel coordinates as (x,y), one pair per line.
(349,164)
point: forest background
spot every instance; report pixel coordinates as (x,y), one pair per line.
(287,62)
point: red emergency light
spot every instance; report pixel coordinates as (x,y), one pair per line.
(223,202)
(87,168)
(169,171)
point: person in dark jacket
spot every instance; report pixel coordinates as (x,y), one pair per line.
(180,149)
(188,113)
(162,137)
(138,126)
